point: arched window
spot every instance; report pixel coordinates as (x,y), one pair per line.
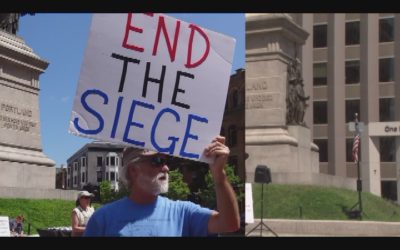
(235,98)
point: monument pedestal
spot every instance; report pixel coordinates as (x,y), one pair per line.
(22,162)
(272,42)
(290,154)
(275,100)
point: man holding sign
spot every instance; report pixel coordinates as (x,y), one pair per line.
(157,84)
(145,213)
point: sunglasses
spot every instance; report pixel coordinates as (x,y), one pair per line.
(85,197)
(156,161)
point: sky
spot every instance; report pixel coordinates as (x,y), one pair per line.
(61,39)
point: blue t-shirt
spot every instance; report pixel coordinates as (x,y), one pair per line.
(164,217)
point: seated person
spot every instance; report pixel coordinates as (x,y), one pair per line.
(17,226)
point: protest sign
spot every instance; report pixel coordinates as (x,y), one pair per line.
(249,213)
(4,226)
(153,81)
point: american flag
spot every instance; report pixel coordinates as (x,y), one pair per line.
(356,144)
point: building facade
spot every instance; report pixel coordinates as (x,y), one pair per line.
(233,122)
(61,177)
(232,129)
(93,163)
(349,63)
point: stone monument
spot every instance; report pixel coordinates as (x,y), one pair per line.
(276,134)
(22,162)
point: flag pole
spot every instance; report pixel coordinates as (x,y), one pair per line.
(359,185)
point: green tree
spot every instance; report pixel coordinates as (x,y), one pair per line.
(207,194)
(106,193)
(122,191)
(178,189)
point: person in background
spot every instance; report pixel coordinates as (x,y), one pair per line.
(81,213)
(145,213)
(17,226)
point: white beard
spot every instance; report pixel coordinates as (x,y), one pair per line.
(154,185)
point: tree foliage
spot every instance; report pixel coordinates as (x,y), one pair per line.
(106,193)
(207,194)
(178,189)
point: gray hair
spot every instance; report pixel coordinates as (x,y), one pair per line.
(124,175)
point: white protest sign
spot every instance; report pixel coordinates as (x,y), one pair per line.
(152,81)
(4,226)
(249,213)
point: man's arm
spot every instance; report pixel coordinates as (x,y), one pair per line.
(227,218)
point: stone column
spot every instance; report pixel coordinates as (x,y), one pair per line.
(336,95)
(307,22)
(369,102)
(272,42)
(22,162)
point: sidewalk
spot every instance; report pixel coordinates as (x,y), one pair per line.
(325,228)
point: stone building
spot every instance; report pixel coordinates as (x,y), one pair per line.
(93,163)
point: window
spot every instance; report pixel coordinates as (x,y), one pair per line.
(352,107)
(386,70)
(99,161)
(386,30)
(99,176)
(389,190)
(74,180)
(232,136)
(323,149)
(116,161)
(387,149)
(233,161)
(112,161)
(320,112)
(107,161)
(352,72)
(386,109)
(353,33)
(83,178)
(320,36)
(83,161)
(235,99)
(320,74)
(349,149)
(112,176)
(75,166)
(107,176)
